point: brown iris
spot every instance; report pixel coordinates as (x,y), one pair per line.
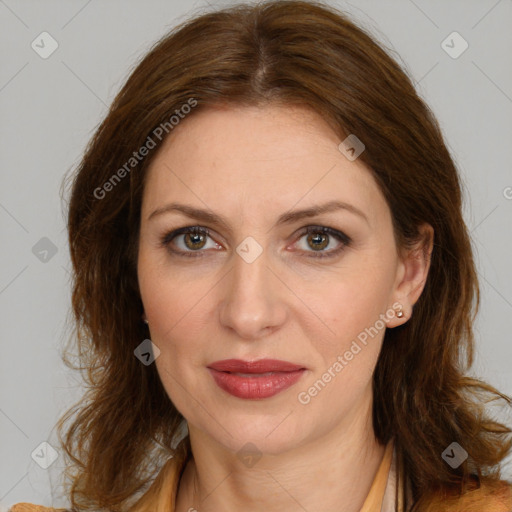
(316,238)
(196,240)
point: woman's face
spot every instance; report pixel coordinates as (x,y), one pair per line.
(258,286)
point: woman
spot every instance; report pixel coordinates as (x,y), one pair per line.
(269,253)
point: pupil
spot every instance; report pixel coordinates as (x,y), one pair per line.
(317,239)
(195,238)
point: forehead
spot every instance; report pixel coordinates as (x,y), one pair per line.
(257,158)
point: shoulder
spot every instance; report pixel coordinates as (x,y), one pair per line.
(29,507)
(490,496)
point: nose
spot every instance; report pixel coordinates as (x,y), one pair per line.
(253,302)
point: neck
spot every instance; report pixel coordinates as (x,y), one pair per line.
(331,473)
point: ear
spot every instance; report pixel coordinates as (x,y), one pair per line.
(412,273)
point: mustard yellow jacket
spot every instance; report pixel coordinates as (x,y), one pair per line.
(389,492)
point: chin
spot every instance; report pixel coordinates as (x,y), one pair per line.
(267,434)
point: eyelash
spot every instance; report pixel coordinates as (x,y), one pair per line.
(199,230)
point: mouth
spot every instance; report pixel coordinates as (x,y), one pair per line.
(255,379)
(260,366)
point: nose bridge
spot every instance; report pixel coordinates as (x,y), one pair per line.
(250,303)
(250,266)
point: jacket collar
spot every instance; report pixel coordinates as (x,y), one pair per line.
(387,492)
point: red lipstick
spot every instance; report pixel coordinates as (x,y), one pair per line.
(255,379)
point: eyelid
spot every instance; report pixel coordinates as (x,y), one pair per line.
(327,230)
(344,239)
(170,235)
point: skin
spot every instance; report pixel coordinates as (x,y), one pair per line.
(251,165)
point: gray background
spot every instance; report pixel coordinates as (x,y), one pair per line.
(50,108)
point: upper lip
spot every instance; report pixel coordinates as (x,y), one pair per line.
(259,366)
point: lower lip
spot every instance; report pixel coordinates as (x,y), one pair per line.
(259,386)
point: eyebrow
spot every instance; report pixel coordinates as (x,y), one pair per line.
(285,218)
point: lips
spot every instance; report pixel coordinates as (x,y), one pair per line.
(255,379)
(260,366)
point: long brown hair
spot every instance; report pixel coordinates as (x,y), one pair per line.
(281,53)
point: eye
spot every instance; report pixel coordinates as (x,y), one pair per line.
(319,237)
(192,238)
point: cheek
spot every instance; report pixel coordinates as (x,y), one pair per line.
(178,310)
(356,309)
(359,296)
(167,294)
(348,357)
